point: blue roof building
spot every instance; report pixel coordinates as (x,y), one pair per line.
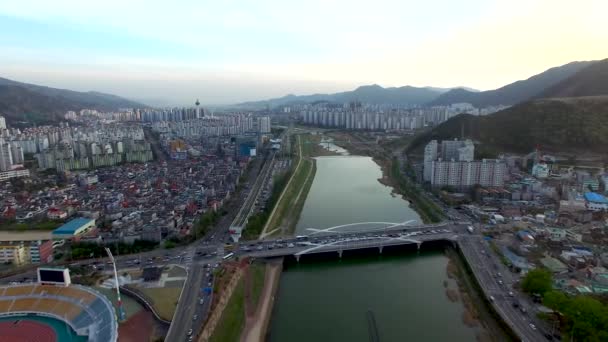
(595,201)
(595,197)
(75,227)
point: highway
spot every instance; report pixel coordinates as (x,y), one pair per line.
(497,282)
(247,208)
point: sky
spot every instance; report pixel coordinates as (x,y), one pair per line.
(229,51)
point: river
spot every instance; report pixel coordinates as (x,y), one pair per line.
(332,299)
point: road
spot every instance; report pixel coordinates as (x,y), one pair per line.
(248,205)
(497,282)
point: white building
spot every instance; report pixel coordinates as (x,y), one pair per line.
(2,122)
(264,124)
(6,158)
(458,169)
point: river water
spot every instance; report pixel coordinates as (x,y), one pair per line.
(331,300)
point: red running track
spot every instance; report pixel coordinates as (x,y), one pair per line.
(26,331)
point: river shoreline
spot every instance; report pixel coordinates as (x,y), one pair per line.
(475,314)
(256,329)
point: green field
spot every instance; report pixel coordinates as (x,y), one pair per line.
(231,323)
(287,210)
(164,300)
(258,272)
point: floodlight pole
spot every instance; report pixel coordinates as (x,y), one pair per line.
(121,312)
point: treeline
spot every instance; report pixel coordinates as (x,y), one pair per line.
(580,317)
(87,250)
(428,211)
(572,124)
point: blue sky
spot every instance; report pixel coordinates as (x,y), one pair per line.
(230,51)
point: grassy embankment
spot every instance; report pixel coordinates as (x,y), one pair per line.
(232,322)
(284,216)
(480,301)
(477,309)
(428,211)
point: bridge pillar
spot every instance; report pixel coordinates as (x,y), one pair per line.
(297,257)
(418,246)
(340,254)
(380,248)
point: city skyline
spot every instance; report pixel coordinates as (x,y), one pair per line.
(225,53)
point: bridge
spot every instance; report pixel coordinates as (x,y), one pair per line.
(392,234)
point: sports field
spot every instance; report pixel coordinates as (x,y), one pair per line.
(32,328)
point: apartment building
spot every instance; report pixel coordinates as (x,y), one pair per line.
(457,168)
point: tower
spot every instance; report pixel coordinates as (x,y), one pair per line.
(198,109)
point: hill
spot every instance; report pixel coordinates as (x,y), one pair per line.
(566,124)
(371,94)
(590,81)
(24,103)
(515,92)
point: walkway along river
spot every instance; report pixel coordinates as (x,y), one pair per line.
(401,296)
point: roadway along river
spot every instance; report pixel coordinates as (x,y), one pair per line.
(329,300)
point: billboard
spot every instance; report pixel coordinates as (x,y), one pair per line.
(54,276)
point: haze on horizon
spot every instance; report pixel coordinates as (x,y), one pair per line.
(170,53)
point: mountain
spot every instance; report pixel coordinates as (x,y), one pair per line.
(515,92)
(22,103)
(557,124)
(372,94)
(590,81)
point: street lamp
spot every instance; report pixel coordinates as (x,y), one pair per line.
(121,311)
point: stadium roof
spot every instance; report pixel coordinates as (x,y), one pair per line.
(72,226)
(595,197)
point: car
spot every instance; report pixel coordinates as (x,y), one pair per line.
(532,326)
(194,317)
(189,332)
(523,310)
(515,304)
(491,298)
(500,282)
(511,294)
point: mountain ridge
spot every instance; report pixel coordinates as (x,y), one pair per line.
(372,93)
(26,103)
(516,92)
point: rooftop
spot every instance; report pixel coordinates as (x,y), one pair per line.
(24,236)
(595,197)
(72,226)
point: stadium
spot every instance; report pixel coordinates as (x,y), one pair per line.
(53,310)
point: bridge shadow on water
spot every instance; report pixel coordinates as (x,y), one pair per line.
(369,253)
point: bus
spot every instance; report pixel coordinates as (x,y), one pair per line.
(301,237)
(228,256)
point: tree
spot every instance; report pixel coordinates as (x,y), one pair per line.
(555,300)
(537,281)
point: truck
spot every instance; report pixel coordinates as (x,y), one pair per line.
(470,229)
